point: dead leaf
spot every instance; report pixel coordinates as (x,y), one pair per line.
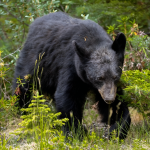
(18,91)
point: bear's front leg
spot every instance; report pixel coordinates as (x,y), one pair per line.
(120,114)
(117,116)
(70,98)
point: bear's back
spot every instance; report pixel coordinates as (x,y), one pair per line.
(52,35)
(58,21)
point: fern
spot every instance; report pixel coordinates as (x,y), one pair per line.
(39,119)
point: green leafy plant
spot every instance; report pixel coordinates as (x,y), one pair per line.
(111,30)
(39,118)
(137,89)
(137,54)
(3,143)
(7,109)
(3,70)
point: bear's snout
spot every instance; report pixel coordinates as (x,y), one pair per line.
(108,93)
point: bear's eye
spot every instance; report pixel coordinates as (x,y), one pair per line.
(100,78)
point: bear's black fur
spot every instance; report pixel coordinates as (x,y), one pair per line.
(75,56)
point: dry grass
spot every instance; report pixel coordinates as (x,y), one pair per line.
(136,117)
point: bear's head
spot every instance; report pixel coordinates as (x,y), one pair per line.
(101,66)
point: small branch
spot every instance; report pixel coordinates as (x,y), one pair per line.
(62,8)
(130,46)
(5,34)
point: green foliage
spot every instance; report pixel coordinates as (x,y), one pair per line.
(124,24)
(3,143)
(137,89)
(85,17)
(138,57)
(141,43)
(107,12)
(137,54)
(16,18)
(7,109)
(39,119)
(3,69)
(42,124)
(139,145)
(111,31)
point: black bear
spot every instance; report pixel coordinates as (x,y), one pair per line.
(75,56)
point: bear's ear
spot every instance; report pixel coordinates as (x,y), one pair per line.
(81,51)
(119,45)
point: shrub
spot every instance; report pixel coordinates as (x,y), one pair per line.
(38,118)
(137,89)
